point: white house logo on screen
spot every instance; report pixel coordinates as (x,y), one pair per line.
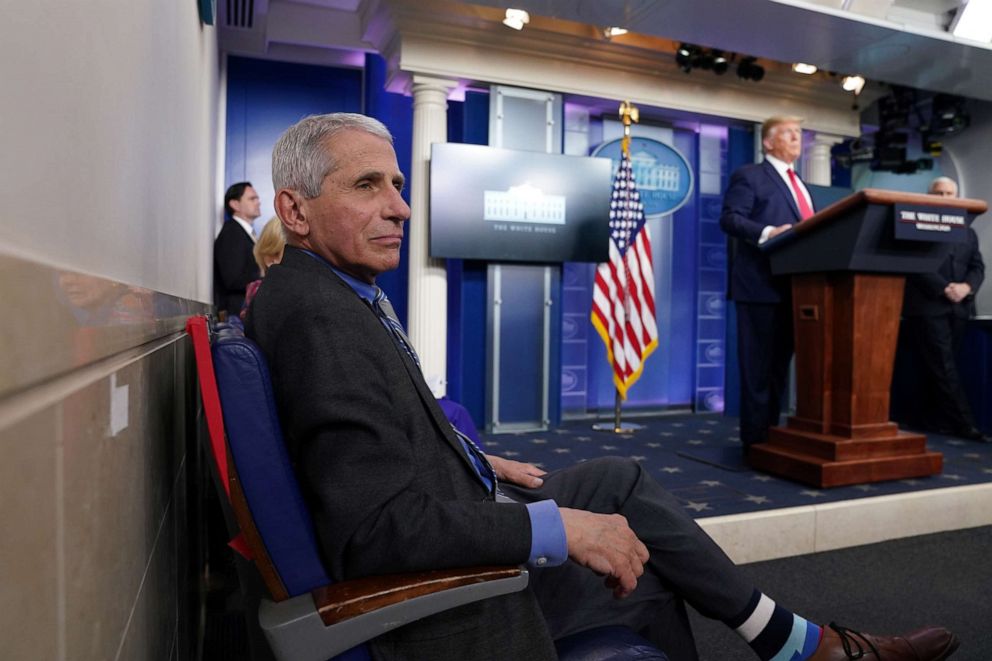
(524,204)
(661,172)
(653,176)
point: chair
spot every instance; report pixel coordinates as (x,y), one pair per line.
(305,616)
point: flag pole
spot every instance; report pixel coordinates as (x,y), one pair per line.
(628,114)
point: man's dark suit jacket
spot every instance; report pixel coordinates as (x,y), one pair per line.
(234,267)
(388,483)
(756,197)
(925,291)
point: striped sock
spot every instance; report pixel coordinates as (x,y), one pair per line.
(774,633)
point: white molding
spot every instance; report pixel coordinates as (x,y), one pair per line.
(782,533)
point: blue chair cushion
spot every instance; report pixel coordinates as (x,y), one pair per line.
(263,464)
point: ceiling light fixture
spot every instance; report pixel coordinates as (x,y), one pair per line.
(720,63)
(516,19)
(611,32)
(689,57)
(973,21)
(853,84)
(803,68)
(749,69)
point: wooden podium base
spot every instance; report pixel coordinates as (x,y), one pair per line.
(827,460)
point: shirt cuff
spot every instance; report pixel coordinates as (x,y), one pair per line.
(764,234)
(548,546)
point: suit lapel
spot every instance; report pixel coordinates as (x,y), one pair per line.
(296,258)
(783,188)
(427,398)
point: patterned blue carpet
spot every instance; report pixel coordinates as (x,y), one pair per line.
(698,459)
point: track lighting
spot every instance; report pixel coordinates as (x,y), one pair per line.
(687,56)
(720,63)
(690,57)
(749,69)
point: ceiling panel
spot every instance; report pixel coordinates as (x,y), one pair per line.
(830,38)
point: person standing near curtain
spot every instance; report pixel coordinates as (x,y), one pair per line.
(234,263)
(936,309)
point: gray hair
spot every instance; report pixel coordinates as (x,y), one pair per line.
(300,160)
(942,180)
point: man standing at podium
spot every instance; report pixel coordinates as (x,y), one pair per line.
(762,201)
(936,309)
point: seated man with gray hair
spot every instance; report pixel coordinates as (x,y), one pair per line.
(394,488)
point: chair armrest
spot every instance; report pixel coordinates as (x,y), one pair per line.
(335,618)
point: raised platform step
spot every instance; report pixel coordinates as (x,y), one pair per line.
(782,533)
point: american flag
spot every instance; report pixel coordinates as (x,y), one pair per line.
(623,294)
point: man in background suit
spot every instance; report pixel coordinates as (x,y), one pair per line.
(234,263)
(394,488)
(762,201)
(936,309)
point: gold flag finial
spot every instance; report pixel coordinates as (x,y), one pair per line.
(628,114)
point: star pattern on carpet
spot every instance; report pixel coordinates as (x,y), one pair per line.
(708,470)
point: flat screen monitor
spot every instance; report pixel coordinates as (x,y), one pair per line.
(518,206)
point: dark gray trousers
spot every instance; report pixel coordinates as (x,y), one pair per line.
(685,566)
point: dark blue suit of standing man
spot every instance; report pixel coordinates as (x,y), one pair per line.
(763,200)
(935,311)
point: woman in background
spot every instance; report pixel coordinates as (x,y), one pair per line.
(268,251)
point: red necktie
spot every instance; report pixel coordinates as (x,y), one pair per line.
(805,210)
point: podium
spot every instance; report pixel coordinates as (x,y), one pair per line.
(848,271)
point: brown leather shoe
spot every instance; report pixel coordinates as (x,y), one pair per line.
(926,644)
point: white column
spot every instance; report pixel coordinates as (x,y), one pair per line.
(427,307)
(816,160)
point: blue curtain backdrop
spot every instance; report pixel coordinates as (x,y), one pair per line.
(263,98)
